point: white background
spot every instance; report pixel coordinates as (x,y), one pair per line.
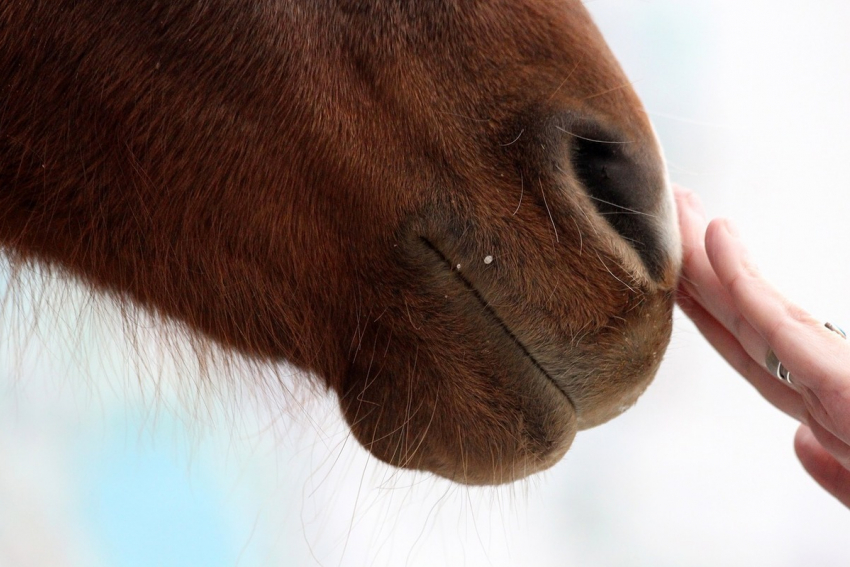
(750,100)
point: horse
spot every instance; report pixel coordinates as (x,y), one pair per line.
(453,214)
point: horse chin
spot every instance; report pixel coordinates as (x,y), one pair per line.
(485,412)
(478,383)
(469,426)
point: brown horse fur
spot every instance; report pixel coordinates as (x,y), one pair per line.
(454,213)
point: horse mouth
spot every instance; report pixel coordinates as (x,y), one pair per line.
(493,315)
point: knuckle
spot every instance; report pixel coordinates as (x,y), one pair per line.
(832,411)
(777,329)
(814,405)
(788,322)
(833,434)
(798,314)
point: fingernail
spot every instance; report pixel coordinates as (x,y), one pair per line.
(732,228)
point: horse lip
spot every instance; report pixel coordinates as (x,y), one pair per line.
(489,309)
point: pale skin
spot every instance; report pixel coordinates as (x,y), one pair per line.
(742,316)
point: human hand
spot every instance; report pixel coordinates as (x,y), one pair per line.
(743,316)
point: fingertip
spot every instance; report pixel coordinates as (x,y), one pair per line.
(813,452)
(692,227)
(713,238)
(732,228)
(688,201)
(821,465)
(804,439)
(723,241)
(716,229)
(682,197)
(810,452)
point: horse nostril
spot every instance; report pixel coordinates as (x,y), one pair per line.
(626,184)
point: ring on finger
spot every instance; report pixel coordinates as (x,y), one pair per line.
(775,366)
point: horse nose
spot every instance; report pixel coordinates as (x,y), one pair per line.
(625,177)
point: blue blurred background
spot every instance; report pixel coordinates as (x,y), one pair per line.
(98,468)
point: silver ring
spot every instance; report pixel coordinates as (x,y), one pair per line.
(835,329)
(775,366)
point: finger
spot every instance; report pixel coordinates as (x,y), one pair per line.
(697,273)
(817,358)
(703,285)
(822,466)
(839,450)
(784,398)
(720,306)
